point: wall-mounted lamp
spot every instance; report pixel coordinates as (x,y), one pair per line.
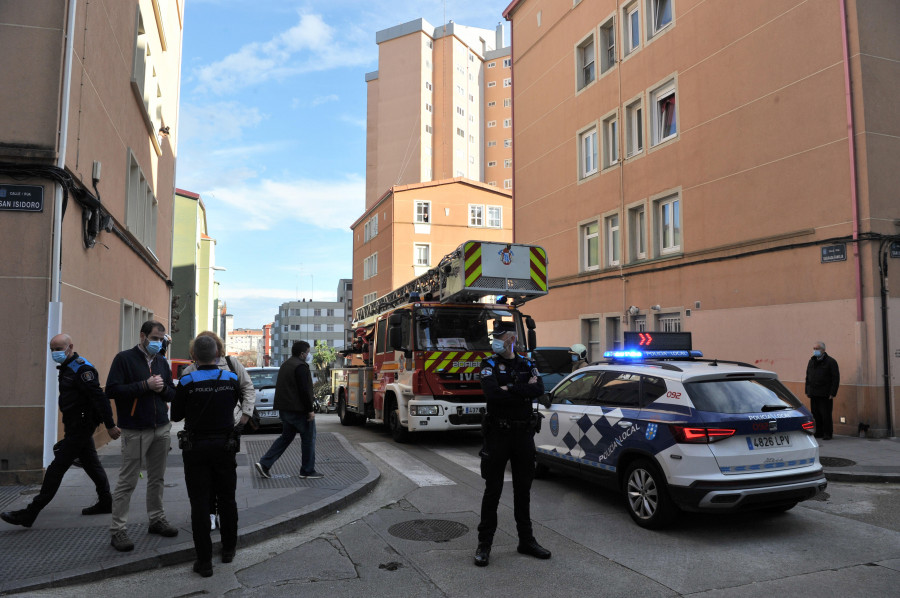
(633,310)
(655,307)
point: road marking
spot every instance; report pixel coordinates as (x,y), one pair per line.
(466,459)
(411,467)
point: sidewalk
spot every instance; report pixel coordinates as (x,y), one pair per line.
(65,547)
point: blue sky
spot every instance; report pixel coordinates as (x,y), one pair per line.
(272,135)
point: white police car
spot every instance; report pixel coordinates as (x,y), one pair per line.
(673,431)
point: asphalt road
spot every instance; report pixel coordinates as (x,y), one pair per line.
(414,536)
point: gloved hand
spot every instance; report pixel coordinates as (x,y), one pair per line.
(233,444)
(544,400)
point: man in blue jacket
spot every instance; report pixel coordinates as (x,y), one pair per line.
(140,382)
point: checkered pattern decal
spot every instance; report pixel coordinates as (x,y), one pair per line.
(591,436)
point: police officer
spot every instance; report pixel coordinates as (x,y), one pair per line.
(510,384)
(205,399)
(83,406)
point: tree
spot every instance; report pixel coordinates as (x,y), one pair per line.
(323,357)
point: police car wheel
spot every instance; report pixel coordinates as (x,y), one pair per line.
(646,495)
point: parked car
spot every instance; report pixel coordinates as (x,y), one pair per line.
(264,382)
(553,363)
(672,431)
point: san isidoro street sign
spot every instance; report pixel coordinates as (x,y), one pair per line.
(21,198)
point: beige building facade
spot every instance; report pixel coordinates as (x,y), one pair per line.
(88,136)
(687,166)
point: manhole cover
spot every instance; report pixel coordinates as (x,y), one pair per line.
(836,462)
(428,530)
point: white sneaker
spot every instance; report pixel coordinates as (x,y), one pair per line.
(212,522)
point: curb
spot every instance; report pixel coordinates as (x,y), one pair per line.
(862,477)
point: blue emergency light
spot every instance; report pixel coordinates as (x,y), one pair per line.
(633,355)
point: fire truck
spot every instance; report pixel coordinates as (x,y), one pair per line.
(416,357)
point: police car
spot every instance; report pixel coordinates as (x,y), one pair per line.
(673,431)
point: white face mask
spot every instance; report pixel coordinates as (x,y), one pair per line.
(498,346)
(309,358)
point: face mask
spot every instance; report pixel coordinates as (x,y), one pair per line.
(58,356)
(817,353)
(153,347)
(309,358)
(574,358)
(498,346)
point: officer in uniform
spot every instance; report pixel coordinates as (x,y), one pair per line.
(205,400)
(83,405)
(510,384)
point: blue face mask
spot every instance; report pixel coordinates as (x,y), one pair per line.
(817,353)
(574,358)
(498,346)
(154,347)
(58,356)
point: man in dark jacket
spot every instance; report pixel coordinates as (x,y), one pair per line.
(294,401)
(822,381)
(83,406)
(206,399)
(510,384)
(140,382)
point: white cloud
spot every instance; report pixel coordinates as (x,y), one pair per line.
(309,46)
(321,203)
(219,121)
(325,99)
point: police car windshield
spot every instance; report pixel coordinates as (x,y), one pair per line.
(457,328)
(741,396)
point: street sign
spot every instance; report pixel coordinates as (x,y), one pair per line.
(21,198)
(895,249)
(834,253)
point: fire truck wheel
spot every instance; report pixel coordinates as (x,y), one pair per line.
(347,419)
(399,433)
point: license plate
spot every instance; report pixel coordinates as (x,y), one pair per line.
(271,413)
(472,410)
(767,442)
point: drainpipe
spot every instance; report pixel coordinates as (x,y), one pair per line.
(512,110)
(854,202)
(54,311)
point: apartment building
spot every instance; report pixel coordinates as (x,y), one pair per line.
(88,138)
(310,321)
(439,134)
(248,345)
(687,166)
(345,296)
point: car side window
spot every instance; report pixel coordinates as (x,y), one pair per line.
(576,390)
(618,389)
(652,388)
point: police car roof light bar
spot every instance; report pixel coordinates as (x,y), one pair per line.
(633,355)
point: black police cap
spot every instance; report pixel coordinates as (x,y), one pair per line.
(502,326)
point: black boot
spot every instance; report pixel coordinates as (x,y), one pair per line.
(534,549)
(103,506)
(23,517)
(482,555)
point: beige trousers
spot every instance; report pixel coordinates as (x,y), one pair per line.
(148,447)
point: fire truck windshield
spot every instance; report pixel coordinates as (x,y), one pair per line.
(445,328)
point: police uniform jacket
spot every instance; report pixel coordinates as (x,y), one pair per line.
(516,403)
(205,400)
(81,399)
(293,388)
(138,407)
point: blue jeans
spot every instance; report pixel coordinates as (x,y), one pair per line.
(292,423)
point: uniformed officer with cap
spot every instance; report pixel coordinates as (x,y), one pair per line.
(510,384)
(84,406)
(205,399)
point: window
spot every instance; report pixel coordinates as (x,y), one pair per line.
(491,104)
(428,85)
(317,312)
(610,141)
(590,247)
(587,150)
(507,163)
(491,65)
(507,62)
(632,28)
(660,15)
(460,111)
(371,228)
(619,389)
(507,123)
(329,313)
(585,58)
(607,45)
(493,183)
(317,328)
(639,324)
(507,183)
(495,216)
(471,158)
(144,80)
(664,118)
(428,129)
(471,139)
(612,240)
(369,298)
(476,215)
(460,90)
(422,254)
(471,97)
(577,390)
(329,327)
(132,317)
(492,124)
(634,129)
(141,206)
(429,43)
(507,82)
(460,132)
(668,225)
(507,143)
(668,323)
(423,212)
(637,233)
(492,163)
(428,64)
(492,144)
(370,266)
(428,107)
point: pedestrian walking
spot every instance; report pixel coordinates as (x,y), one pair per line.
(205,399)
(510,383)
(823,377)
(140,382)
(243,411)
(84,407)
(294,401)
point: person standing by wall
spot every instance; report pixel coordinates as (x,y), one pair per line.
(140,382)
(822,381)
(294,401)
(205,399)
(83,406)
